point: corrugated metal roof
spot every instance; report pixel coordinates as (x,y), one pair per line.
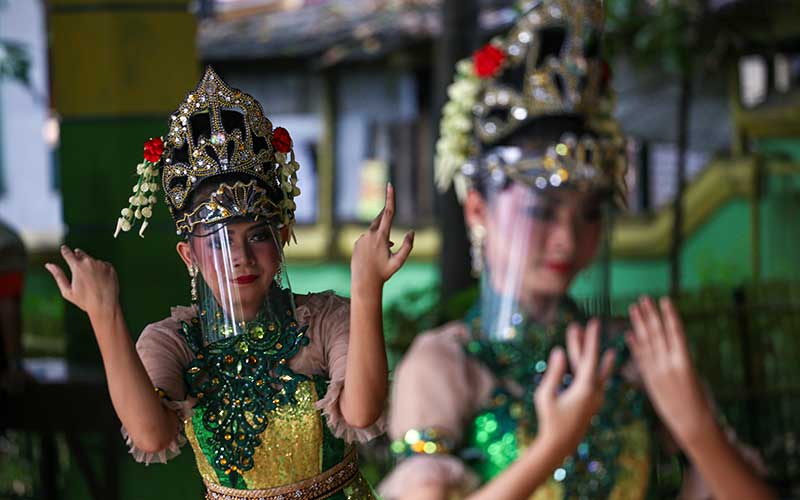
(331,30)
(328,31)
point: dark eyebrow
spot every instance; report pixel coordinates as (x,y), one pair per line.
(258,227)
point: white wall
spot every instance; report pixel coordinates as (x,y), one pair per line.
(29,202)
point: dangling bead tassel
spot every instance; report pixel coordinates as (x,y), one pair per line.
(193,274)
(477,235)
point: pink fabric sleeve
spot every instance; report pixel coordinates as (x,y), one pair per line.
(328,318)
(436,386)
(421,470)
(165,355)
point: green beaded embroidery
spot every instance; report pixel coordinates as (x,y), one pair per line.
(493,441)
(237,381)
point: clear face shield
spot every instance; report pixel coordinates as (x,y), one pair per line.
(544,252)
(241,282)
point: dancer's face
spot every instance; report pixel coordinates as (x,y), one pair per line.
(238,263)
(538,240)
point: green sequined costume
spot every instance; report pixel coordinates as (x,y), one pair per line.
(252,405)
(249,375)
(498,380)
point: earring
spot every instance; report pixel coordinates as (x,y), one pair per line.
(477,235)
(193,274)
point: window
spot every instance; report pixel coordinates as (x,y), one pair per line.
(762,79)
(381,136)
(291,99)
(753,78)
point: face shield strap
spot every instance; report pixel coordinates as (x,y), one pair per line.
(569,163)
(206,230)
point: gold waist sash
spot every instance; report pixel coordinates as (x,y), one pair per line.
(317,487)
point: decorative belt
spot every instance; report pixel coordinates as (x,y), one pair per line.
(317,487)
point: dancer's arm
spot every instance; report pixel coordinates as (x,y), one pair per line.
(659,347)
(563,420)
(373,263)
(94,289)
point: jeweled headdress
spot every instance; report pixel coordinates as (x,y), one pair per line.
(547,64)
(217,130)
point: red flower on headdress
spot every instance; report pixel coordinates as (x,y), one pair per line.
(281,140)
(153,149)
(488,61)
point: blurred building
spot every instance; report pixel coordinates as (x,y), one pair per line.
(356,84)
(360,73)
(30,197)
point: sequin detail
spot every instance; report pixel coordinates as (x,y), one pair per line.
(237,381)
(290,447)
(508,424)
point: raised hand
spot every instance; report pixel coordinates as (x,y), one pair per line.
(373,262)
(659,348)
(94,287)
(564,417)
(366,386)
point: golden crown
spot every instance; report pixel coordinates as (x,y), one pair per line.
(553,44)
(546,64)
(199,146)
(217,130)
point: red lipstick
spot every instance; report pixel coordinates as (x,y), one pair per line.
(246,279)
(559,267)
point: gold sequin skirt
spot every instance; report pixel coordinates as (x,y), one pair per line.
(318,487)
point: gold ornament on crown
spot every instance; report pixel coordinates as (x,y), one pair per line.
(584,163)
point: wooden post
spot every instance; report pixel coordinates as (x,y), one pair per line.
(684,107)
(459,38)
(326,166)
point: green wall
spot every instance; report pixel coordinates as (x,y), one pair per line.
(118,70)
(720,252)
(99,158)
